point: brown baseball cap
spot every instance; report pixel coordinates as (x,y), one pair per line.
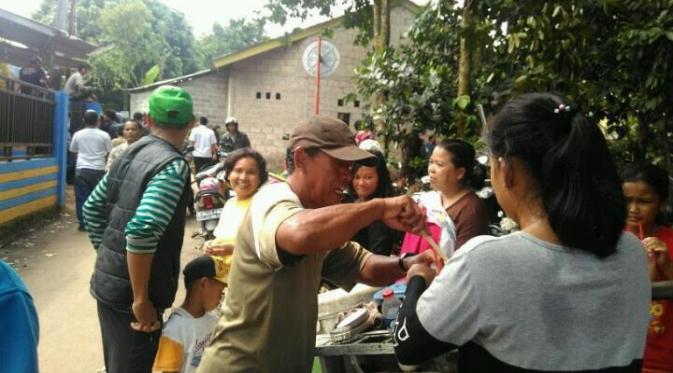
(330,135)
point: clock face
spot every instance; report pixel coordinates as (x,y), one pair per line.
(329,61)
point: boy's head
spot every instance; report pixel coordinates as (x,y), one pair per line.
(206,278)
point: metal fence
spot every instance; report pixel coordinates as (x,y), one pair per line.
(26,120)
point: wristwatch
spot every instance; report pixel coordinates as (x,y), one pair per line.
(400,261)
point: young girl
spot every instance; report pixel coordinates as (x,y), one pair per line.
(646,191)
(373,181)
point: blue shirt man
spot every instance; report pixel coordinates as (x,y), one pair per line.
(19,329)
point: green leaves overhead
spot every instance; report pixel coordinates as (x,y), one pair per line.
(239,34)
(136,35)
(614,58)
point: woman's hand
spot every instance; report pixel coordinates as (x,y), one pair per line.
(213,248)
(423,270)
(657,254)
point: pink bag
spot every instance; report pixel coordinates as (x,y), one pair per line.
(415,244)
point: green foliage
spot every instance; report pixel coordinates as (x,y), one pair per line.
(136,36)
(613,58)
(357,13)
(239,34)
(151,75)
(418,84)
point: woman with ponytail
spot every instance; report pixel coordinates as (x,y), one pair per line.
(570,291)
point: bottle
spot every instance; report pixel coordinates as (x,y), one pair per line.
(390,308)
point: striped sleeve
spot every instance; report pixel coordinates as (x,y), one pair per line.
(95,212)
(156,208)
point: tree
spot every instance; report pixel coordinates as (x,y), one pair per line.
(372,19)
(239,34)
(418,84)
(611,57)
(137,37)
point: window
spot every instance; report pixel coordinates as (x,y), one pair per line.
(268,95)
(259,95)
(356,103)
(344,117)
(340,102)
(277,96)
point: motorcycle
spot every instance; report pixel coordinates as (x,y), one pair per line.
(210,198)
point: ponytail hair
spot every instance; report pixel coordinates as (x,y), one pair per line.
(463,155)
(568,158)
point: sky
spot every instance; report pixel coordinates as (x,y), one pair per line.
(200,14)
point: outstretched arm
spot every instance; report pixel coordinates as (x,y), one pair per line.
(329,227)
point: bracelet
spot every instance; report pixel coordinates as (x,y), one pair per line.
(400,261)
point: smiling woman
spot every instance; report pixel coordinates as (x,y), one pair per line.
(373,181)
(246,171)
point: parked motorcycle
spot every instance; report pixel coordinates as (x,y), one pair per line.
(210,198)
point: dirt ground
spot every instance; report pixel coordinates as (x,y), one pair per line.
(56,261)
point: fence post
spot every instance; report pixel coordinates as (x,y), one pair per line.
(60,142)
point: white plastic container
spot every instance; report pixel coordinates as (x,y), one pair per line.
(390,308)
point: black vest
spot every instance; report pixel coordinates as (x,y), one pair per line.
(127,181)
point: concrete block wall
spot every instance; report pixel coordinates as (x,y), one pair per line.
(280,72)
(209,93)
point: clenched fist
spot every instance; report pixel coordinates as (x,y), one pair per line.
(403,214)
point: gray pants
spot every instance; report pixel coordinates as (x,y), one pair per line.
(126,350)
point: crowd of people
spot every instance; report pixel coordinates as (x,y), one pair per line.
(568,291)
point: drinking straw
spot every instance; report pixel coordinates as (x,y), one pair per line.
(640,231)
(426,236)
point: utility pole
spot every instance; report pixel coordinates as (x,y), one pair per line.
(72,29)
(61,14)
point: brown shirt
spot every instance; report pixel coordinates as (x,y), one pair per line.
(470,216)
(271,308)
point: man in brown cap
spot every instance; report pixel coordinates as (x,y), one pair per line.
(296,233)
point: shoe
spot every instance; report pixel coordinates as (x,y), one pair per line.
(81,229)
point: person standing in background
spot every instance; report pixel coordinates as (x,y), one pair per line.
(108,123)
(233,139)
(75,85)
(92,146)
(131,132)
(204,142)
(34,74)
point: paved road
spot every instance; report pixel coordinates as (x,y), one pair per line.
(56,262)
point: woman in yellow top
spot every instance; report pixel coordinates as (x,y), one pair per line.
(246,173)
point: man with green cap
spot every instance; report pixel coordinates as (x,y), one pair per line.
(135,218)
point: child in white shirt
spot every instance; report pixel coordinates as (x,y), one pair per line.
(189,328)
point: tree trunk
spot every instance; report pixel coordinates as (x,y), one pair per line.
(376,8)
(381,38)
(465,58)
(385,24)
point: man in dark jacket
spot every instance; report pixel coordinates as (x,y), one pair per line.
(233,139)
(136,220)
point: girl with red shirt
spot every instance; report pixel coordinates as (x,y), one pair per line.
(646,190)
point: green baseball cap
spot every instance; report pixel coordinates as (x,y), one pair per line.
(171,105)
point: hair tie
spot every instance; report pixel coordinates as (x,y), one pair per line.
(561,108)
